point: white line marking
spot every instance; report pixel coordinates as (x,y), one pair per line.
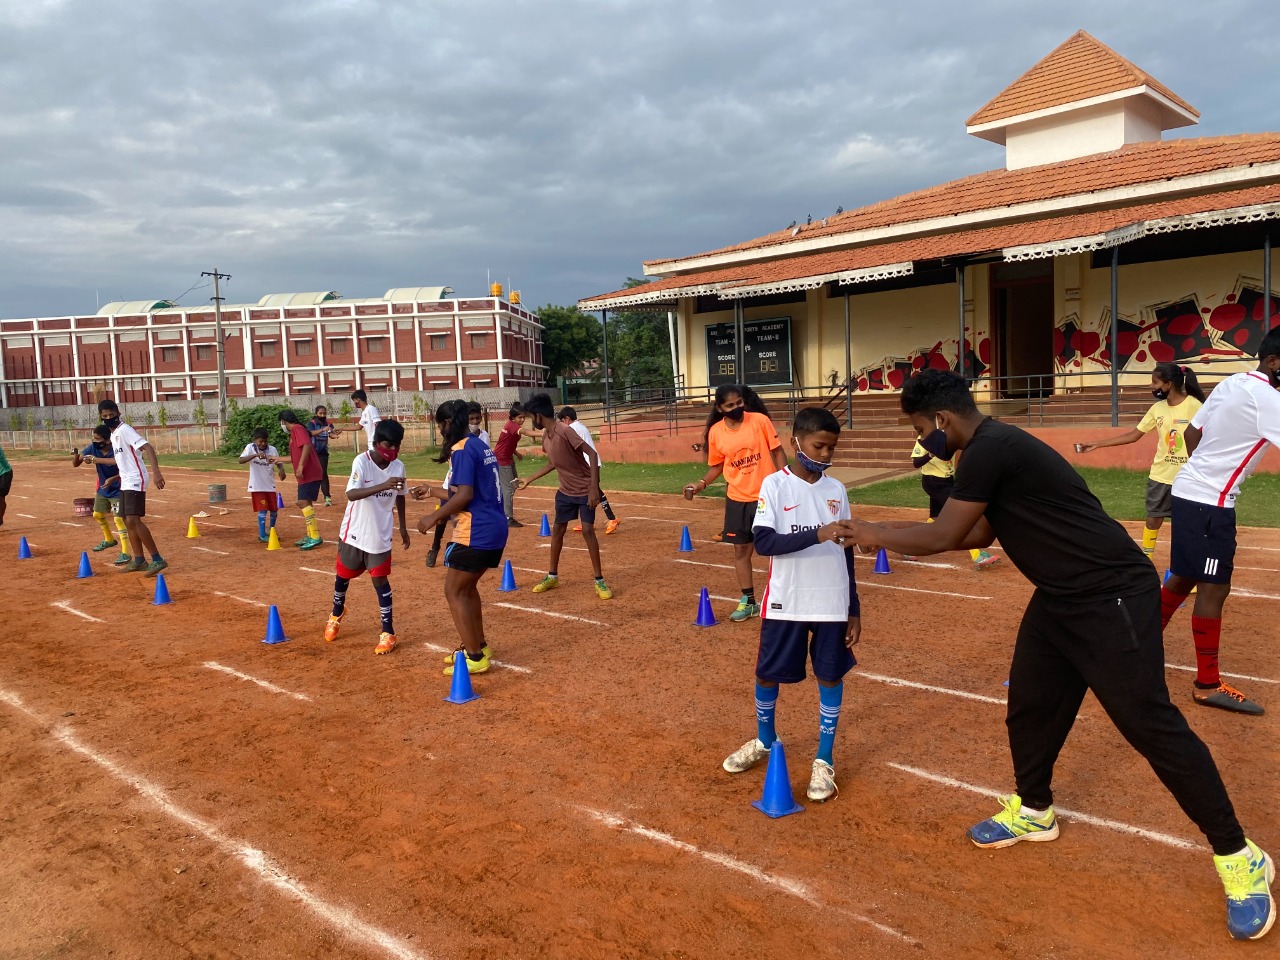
(210,523)
(1268,549)
(327,573)
(1256,569)
(550,613)
(342,920)
(720,566)
(896,682)
(213,665)
(19,496)
(527,569)
(1233,676)
(27,516)
(66,605)
(785,884)
(232,596)
(871,558)
(68,523)
(221,553)
(155,500)
(864,582)
(655,519)
(1240,592)
(497,663)
(1075,815)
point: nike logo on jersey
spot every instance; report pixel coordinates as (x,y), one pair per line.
(792,507)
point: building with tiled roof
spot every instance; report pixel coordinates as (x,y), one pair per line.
(1012,276)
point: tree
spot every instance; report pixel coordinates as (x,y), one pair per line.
(238,431)
(639,347)
(199,414)
(569,339)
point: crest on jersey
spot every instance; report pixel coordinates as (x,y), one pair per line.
(760,505)
(835,507)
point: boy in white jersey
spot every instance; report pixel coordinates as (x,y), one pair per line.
(262,457)
(811,593)
(364,539)
(128,449)
(369,416)
(1227,439)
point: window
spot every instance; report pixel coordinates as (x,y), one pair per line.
(304,348)
(479,341)
(376,345)
(439,341)
(339,345)
(169,354)
(204,351)
(267,349)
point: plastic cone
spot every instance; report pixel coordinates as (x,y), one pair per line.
(777,800)
(686,544)
(508,578)
(192,531)
(1165,578)
(545,529)
(882,561)
(162,592)
(24,549)
(461,691)
(273,542)
(85,569)
(279,501)
(275,629)
(706,616)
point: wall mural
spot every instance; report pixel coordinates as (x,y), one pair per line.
(889,373)
(1182,330)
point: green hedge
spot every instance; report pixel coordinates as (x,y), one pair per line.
(242,423)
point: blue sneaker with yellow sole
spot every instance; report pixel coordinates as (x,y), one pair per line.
(1247,879)
(1012,825)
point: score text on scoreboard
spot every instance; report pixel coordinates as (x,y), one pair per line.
(766,353)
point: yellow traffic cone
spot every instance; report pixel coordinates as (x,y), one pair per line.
(273,542)
(192,532)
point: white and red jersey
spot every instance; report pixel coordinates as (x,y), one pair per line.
(1239,419)
(367,524)
(811,584)
(127,446)
(585,434)
(369,420)
(262,474)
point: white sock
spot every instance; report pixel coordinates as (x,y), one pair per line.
(1032,812)
(1242,852)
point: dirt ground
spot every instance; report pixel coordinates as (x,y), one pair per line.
(155,805)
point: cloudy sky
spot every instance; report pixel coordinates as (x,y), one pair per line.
(356,145)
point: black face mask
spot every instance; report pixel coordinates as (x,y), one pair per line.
(736,415)
(112,424)
(320,419)
(1275,378)
(1160,394)
(935,443)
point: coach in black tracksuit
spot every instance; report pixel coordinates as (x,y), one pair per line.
(1093,622)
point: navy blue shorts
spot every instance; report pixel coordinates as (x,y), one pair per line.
(1204,541)
(569,509)
(309,491)
(786,644)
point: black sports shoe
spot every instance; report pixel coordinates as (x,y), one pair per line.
(513,522)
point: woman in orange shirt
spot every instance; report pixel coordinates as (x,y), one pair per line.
(742,444)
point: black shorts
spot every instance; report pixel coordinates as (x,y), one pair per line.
(738,518)
(786,644)
(1204,541)
(938,490)
(471,559)
(309,491)
(6,483)
(133,503)
(570,508)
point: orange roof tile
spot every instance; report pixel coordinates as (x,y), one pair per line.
(1081,68)
(1133,164)
(958,244)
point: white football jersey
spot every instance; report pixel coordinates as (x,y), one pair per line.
(369,420)
(585,434)
(127,446)
(1236,422)
(811,584)
(262,476)
(368,524)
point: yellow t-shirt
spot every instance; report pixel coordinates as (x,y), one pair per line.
(935,467)
(1171,448)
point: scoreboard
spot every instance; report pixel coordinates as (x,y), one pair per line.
(766,353)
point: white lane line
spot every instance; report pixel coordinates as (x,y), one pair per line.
(897,682)
(68,523)
(19,496)
(793,887)
(210,523)
(1233,676)
(659,520)
(66,605)
(720,566)
(1256,569)
(232,596)
(214,665)
(1241,592)
(1267,549)
(221,553)
(528,569)
(327,573)
(154,500)
(343,921)
(871,558)
(1116,825)
(497,663)
(27,516)
(298,516)
(864,582)
(550,613)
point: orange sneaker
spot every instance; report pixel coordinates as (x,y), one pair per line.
(386,643)
(332,628)
(611,526)
(578,528)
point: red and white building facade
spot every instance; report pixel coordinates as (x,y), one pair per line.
(411,339)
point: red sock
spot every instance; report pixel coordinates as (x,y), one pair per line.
(1207,634)
(1169,604)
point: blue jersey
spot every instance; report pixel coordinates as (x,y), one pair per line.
(107,472)
(483,524)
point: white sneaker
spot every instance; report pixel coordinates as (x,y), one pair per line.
(822,783)
(746,756)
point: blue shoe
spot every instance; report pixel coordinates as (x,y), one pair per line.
(1011,825)
(1247,879)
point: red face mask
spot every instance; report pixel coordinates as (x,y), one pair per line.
(389,455)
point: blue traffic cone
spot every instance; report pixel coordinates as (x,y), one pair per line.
(545,529)
(275,629)
(706,616)
(461,691)
(686,545)
(279,501)
(777,800)
(162,592)
(24,549)
(882,561)
(508,578)
(1165,578)
(85,569)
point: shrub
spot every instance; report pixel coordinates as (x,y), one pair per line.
(238,432)
(199,415)
(345,410)
(164,415)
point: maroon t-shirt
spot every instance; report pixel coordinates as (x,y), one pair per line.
(298,440)
(508,439)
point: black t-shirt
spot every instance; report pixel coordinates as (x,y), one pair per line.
(1049,524)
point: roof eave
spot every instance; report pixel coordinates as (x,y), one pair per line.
(1172,114)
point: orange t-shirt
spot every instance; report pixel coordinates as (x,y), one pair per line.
(744,453)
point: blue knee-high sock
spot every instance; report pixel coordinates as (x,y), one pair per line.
(766,704)
(262,523)
(829,700)
(384,605)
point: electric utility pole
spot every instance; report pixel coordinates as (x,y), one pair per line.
(222,344)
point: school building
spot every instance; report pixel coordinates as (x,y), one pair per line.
(1097,249)
(412,338)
